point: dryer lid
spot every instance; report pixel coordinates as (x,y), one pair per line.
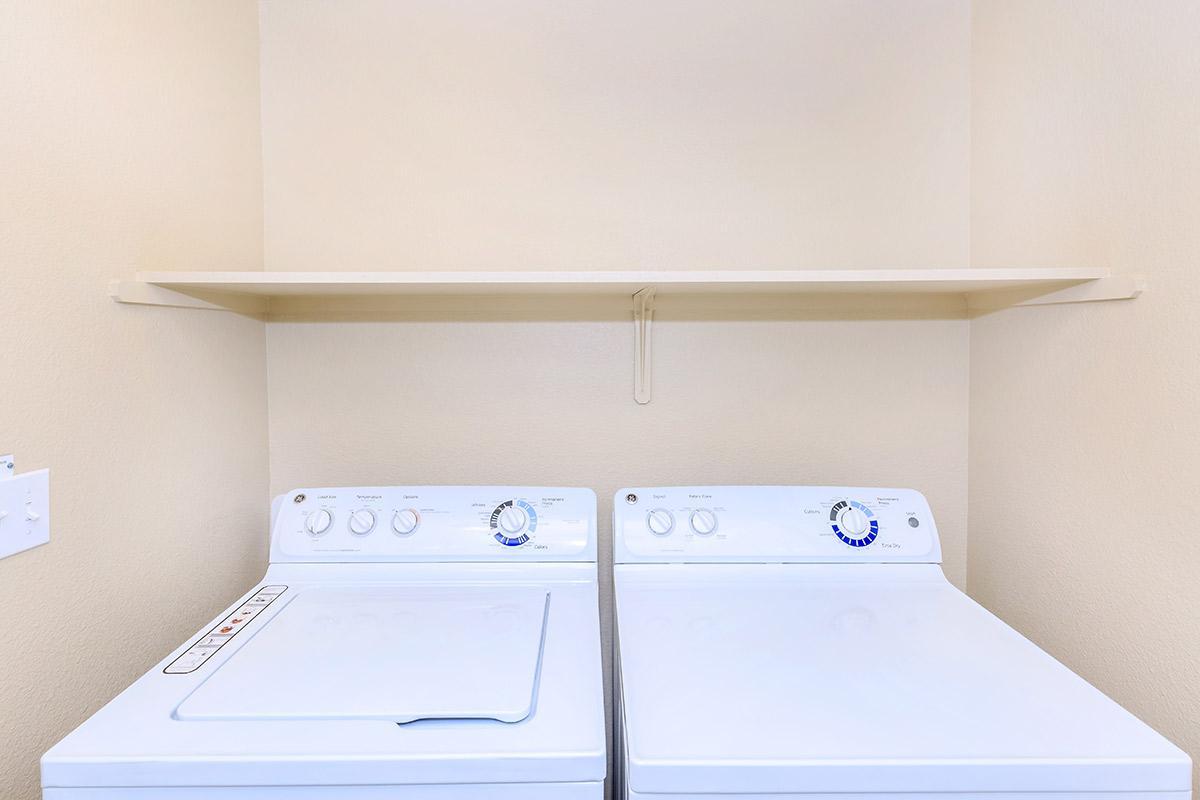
(856,678)
(386,653)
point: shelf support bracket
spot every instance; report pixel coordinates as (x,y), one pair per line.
(1114,287)
(643,317)
(148,294)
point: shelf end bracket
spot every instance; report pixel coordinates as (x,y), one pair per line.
(149,294)
(643,317)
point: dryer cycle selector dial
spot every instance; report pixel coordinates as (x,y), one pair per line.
(318,522)
(512,522)
(406,521)
(853,523)
(660,521)
(362,521)
(704,521)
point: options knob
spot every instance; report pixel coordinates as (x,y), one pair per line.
(318,522)
(362,521)
(660,521)
(704,521)
(406,521)
(512,519)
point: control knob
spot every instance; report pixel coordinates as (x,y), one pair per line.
(512,519)
(362,521)
(854,522)
(660,521)
(406,521)
(318,522)
(704,521)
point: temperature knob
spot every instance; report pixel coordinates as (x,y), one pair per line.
(362,521)
(318,522)
(704,521)
(660,522)
(406,521)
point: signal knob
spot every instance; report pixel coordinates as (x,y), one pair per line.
(660,522)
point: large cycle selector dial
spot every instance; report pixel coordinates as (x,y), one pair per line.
(513,522)
(362,521)
(318,522)
(853,523)
(406,521)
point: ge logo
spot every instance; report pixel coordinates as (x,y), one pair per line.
(631,498)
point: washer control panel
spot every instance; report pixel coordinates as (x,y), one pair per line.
(435,523)
(773,524)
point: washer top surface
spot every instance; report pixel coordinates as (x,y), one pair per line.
(393,653)
(450,636)
(848,677)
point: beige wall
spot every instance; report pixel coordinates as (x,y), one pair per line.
(560,134)
(1085,431)
(128,140)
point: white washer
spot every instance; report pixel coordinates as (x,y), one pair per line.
(411,643)
(774,642)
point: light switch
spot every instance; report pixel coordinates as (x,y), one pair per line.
(24,511)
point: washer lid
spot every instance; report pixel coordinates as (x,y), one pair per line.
(386,653)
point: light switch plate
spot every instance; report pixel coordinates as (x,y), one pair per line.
(24,512)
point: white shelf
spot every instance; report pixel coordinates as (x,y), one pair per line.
(250,292)
(982,289)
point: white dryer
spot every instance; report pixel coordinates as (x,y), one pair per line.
(418,643)
(774,642)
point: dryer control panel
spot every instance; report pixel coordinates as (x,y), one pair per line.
(773,524)
(435,523)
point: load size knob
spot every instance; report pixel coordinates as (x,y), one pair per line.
(362,521)
(406,521)
(318,522)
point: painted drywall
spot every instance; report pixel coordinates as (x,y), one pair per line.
(545,134)
(674,134)
(1084,428)
(129,139)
